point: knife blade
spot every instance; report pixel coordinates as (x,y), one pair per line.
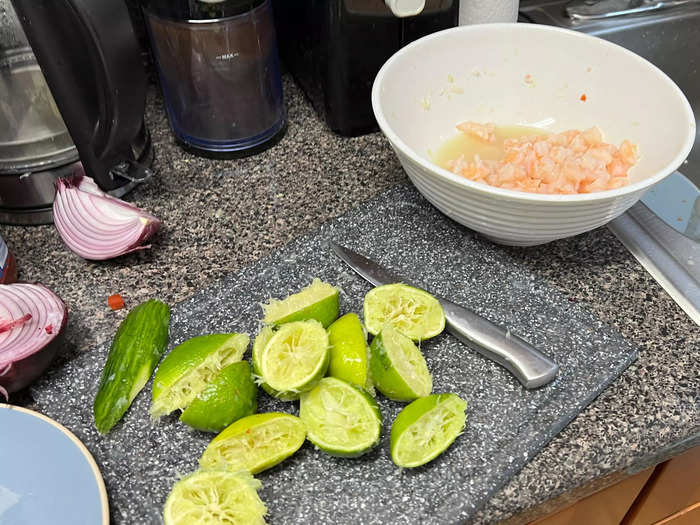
(530,366)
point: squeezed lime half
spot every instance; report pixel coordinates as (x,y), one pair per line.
(398,368)
(317,301)
(255,443)
(349,352)
(186,370)
(413,312)
(425,428)
(215,497)
(291,359)
(341,419)
(266,333)
(231,395)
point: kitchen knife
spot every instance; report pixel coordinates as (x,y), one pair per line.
(532,368)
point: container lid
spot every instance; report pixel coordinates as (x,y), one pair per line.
(404,8)
(185,10)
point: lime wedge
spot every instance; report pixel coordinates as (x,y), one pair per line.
(215,498)
(231,395)
(425,428)
(189,366)
(317,301)
(398,368)
(341,419)
(349,352)
(291,359)
(259,344)
(255,443)
(413,312)
(266,333)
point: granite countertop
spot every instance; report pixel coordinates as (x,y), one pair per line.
(220,216)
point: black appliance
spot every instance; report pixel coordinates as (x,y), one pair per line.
(72,86)
(334,49)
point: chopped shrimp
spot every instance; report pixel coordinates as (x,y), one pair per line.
(568,162)
(485,132)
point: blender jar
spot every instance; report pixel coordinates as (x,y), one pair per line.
(219,72)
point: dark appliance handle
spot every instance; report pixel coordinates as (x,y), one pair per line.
(107,99)
(90,57)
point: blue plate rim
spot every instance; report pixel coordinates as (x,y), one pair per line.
(83,450)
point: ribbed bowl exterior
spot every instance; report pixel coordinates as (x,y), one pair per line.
(530,75)
(511,221)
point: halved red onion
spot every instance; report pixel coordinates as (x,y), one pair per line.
(98,226)
(32,319)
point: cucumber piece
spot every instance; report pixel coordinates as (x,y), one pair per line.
(138,346)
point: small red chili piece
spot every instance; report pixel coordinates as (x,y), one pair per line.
(116,302)
(583,97)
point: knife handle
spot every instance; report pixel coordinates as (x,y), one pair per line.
(530,366)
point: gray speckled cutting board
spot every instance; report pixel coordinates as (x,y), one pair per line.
(506,424)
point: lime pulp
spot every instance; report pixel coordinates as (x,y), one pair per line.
(215,497)
(341,419)
(425,428)
(412,311)
(292,359)
(255,443)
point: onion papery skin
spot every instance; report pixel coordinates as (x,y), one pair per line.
(27,349)
(97,226)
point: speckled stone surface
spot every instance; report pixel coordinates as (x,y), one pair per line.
(222,215)
(506,423)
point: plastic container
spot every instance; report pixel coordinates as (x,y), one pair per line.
(219,72)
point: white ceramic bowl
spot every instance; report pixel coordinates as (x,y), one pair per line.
(478,73)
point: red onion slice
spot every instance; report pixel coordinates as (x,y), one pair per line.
(26,346)
(98,226)
(6,325)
